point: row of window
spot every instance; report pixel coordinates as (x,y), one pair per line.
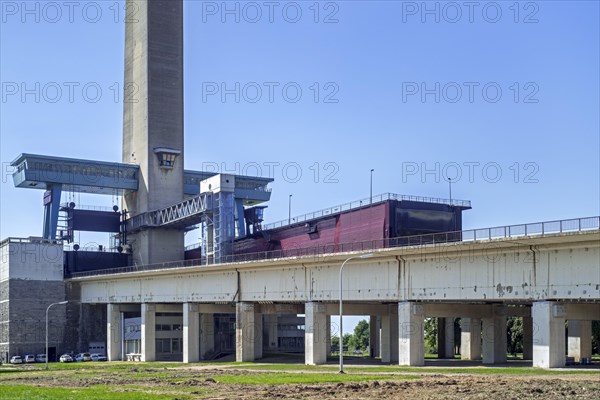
(172,345)
(167,327)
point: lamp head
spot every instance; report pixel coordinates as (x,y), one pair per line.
(366,255)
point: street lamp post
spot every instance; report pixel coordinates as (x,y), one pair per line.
(341,311)
(371,187)
(48,309)
(290,210)
(450,185)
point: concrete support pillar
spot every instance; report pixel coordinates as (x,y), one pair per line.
(207,335)
(410,326)
(272,332)
(191,333)
(258,341)
(470,339)
(579,343)
(148,332)
(549,335)
(114,333)
(315,336)
(373,336)
(385,339)
(248,332)
(328,335)
(527,338)
(494,336)
(445,337)
(389,336)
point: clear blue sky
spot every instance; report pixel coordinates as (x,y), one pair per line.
(371,61)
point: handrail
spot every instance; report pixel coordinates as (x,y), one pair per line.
(363,203)
(536,229)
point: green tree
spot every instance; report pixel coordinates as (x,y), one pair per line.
(360,338)
(430,332)
(514,335)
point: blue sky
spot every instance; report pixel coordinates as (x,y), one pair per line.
(528,154)
(370,62)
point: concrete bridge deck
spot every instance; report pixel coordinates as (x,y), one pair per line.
(547,279)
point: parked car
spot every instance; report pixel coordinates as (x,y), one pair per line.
(65,358)
(29,358)
(98,357)
(16,360)
(83,357)
(41,358)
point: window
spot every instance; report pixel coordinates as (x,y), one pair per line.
(166,157)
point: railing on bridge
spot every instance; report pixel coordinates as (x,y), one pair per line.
(536,229)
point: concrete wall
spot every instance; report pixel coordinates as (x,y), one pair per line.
(31,278)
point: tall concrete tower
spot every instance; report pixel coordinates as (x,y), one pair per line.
(153,120)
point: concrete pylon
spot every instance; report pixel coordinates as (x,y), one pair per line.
(315,337)
(389,336)
(248,332)
(191,333)
(114,334)
(549,335)
(579,343)
(410,328)
(494,336)
(148,332)
(153,120)
(470,338)
(527,338)
(445,337)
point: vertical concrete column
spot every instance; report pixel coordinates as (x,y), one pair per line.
(258,339)
(410,326)
(470,339)
(373,335)
(148,332)
(494,336)
(549,335)
(527,338)
(394,335)
(385,339)
(272,332)
(579,344)
(328,335)
(191,333)
(449,337)
(114,333)
(246,332)
(207,335)
(315,336)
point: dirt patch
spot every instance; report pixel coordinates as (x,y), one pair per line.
(208,383)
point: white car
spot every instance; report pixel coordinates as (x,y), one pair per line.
(98,357)
(83,357)
(65,358)
(41,358)
(16,360)
(29,358)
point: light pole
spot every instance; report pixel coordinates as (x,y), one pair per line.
(341,311)
(450,185)
(48,309)
(290,210)
(371,188)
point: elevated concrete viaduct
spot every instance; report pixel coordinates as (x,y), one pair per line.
(547,280)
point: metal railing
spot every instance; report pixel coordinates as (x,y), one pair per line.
(536,229)
(362,203)
(35,240)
